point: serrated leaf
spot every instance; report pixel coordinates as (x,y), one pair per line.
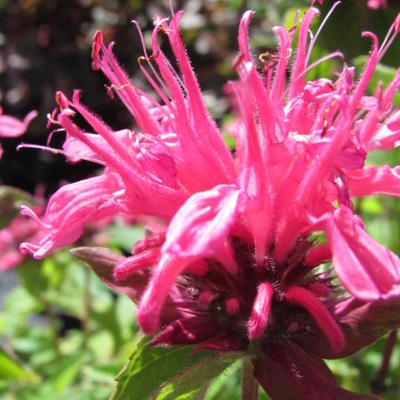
(194,381)
(11,370)
(149,367)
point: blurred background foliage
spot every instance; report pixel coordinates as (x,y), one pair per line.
(63,335)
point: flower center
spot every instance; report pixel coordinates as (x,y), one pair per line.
(269,302)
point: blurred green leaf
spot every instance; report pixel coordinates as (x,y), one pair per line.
(11,370)
(149,367)
(33,278)
(64,371)
(124,236)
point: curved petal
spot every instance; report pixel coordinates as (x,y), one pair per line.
(374,180)
(11,127)
(199,229)
(292,374)
(368,270)
(202,224)
(70,209)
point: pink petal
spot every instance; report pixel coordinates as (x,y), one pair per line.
(375,4)
(375,180)
(288,372)
(199,229)
(368,270)
(11,127)
(388,136)
(298,78)
(70,209)
(309,301)
(76,151)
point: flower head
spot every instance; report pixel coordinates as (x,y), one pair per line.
(231,259)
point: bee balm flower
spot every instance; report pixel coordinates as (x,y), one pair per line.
(232,260)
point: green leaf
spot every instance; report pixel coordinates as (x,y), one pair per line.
(124,236)
(32,278)
(149,367)
(226,386)
(11,370)
(194,381)
(65,371)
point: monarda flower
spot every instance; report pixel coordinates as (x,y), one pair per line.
(231,258)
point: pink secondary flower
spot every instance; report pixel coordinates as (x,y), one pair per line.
(11,127)
(21,228)
(375,4)
(232,261)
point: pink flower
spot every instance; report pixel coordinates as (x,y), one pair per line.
(21,228)
(375,4)
(232,261)
(18,228)
(11,127)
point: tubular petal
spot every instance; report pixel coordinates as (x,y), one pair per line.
(260,312)
(368,270)
(306,299)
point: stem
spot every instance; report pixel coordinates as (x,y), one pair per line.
(387,353)
(86,309)
(249,383)
(51,316)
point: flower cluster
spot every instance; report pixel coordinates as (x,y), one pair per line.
(231,256)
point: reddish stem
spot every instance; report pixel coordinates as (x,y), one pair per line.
(387,353)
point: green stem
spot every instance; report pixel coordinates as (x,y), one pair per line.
(86,309)
(51,316)
(249,383)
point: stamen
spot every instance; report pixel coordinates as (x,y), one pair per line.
(157,89)
(314,39)
(31,214)
(329,56)
(52,133)
(149,59)
(390,36)
(39,147)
